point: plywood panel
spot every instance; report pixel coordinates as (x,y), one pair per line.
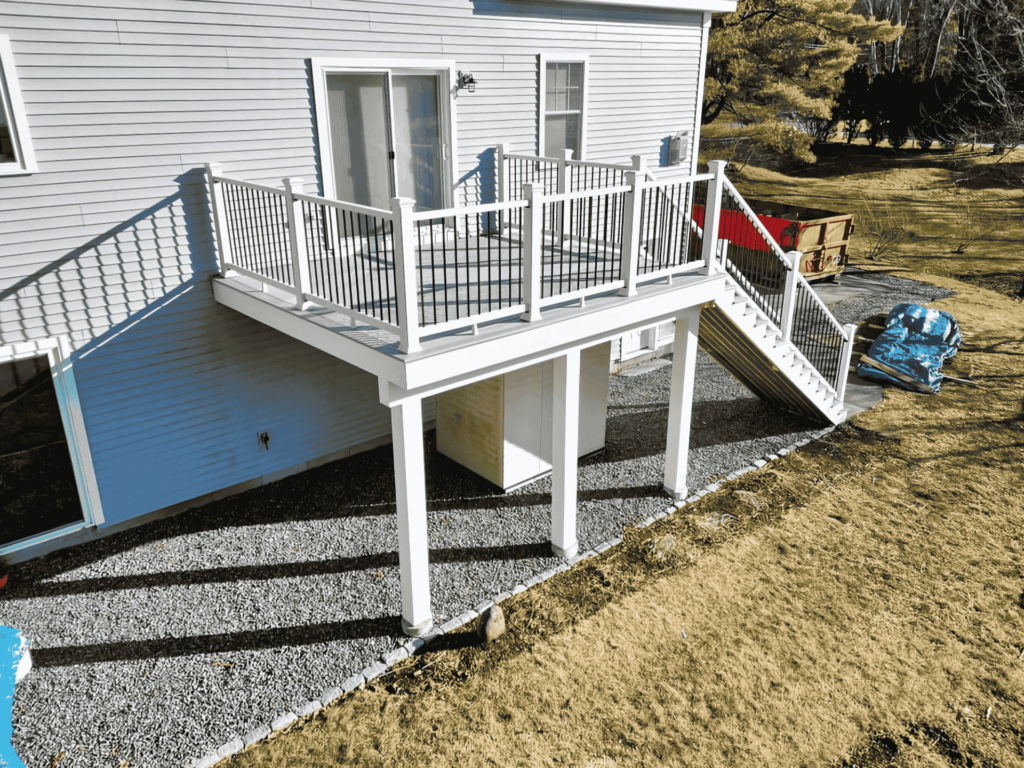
(469,427)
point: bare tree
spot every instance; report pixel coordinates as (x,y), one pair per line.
(990,59)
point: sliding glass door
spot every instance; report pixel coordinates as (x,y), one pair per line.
(389,137)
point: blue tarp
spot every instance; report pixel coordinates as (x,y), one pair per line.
(912,348)
(12,648)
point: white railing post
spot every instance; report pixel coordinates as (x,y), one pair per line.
(564,181)
(631,231)
(562,185)
(847,355)
(502,173)
(297,241)
(789,294)
(502,181)
(405,275)
(533,249)
(220,213)
(712,214)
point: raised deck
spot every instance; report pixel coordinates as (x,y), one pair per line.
(429,301)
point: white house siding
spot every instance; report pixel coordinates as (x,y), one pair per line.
(110,241)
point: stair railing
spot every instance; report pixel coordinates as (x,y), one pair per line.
(739,244)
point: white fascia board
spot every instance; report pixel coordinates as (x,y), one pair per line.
(303,325)
(714,6)
(429,374)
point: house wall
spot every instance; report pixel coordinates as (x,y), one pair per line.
(110,241)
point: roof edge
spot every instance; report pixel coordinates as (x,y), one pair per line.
(711,6)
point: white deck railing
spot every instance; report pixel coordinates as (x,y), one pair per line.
(561,230)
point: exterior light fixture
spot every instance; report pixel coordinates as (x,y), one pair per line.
(466,80)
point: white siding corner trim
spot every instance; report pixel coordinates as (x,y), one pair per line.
(12,110)
(699,107)
(58,351)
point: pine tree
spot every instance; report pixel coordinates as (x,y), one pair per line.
(775,62)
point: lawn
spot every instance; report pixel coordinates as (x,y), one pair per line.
(857,602)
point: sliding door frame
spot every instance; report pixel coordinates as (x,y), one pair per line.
(447,73)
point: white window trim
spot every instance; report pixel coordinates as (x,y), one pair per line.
(321,67)
(14,110)
(58,351)
(562,57)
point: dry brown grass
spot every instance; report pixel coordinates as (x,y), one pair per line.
(938,198)
(858,602)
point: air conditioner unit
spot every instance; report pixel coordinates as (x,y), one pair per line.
(679,148)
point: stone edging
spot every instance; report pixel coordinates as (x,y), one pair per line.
(388,660)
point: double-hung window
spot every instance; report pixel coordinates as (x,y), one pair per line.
(16,155)
(563,99)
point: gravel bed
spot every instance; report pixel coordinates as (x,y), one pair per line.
(161,644)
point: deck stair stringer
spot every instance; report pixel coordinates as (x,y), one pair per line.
(738,335)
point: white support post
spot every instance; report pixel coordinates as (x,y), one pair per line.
(411,500)
(712,214)
(405,275)
(565,425)
(789,294)
(631,227)
(844,372)
(533,249)
(680,404)
(219,211)
(297,241)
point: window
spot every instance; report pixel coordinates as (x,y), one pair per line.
(52,447)
(563,99)
(16,155)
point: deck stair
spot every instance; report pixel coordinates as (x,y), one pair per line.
(745,342)
(773,334)
(769,329)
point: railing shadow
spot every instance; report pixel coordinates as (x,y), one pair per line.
(228,642)
(185,239)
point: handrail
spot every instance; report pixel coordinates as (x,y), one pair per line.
(738,198)
(531,158)
(469,210)
(801,280)
(362,210)
(250,185)
(584,193)
(609,166)
(654,181)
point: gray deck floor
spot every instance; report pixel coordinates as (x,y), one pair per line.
(465,277)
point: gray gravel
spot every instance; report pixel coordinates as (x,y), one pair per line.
(161,644)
